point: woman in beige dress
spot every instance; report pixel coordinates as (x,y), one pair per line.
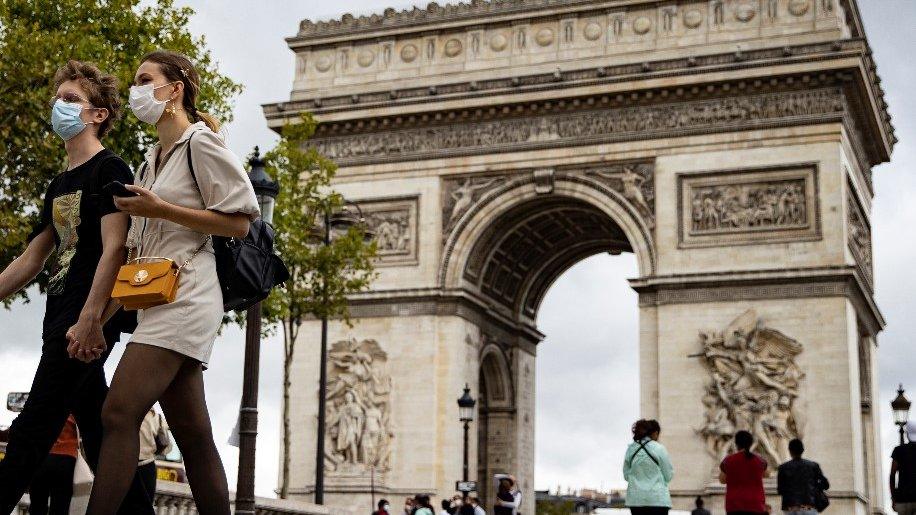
(172,217)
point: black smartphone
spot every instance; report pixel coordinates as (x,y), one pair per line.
(118,189)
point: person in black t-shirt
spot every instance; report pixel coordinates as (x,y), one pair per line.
(88,232)
(903,466)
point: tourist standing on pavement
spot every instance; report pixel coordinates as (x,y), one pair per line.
(89,233)
(52,488)
(699,510)
(383,508)
(154,441)
(508,496)
(903,474)
(423,506)
(742,474)
(801,483)
(647,470)
(447,508)
(190,186)
(410,506)
(478,509)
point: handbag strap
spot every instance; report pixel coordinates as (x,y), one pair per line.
(642,447)
(194,177)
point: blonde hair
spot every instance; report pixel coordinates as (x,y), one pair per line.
(177,67)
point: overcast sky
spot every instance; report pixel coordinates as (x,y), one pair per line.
(589,312)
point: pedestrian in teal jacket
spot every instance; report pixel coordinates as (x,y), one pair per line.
(647,470)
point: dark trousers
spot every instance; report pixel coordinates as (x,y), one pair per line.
(649,510)
(54,483)
(62,385)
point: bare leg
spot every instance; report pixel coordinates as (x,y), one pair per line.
(185,409)
(142,375)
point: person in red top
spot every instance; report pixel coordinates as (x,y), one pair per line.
(742,474)
(54,480)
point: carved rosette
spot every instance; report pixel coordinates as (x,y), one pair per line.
(358,408)
(753,386)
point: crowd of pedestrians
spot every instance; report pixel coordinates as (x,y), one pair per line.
(507,502)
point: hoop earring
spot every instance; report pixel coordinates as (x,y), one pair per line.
(171,110)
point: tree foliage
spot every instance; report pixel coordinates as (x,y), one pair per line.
(36,38)
(322,276)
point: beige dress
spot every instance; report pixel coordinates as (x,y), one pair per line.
(189,324)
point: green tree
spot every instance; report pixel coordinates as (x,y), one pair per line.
(37,37)
(321,276)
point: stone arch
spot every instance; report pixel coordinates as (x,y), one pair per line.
(496,381)
(518,209)
(496,424)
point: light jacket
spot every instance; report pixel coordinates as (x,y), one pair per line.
(647,482)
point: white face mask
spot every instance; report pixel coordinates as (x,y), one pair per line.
(144,104)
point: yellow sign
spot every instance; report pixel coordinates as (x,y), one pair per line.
(2,455)
(166,474)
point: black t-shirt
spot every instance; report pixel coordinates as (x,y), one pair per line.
(74,209)
(905,456)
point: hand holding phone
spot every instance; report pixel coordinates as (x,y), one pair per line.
(117,189)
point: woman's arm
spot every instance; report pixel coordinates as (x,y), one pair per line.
(148,204)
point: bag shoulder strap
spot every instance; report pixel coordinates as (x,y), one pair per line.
(642,447)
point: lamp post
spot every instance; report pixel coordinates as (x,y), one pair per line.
(466,415)
(266,190)
(340,221)
(901,407)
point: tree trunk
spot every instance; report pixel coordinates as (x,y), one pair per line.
(289,341)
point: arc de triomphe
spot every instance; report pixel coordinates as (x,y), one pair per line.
(728,144)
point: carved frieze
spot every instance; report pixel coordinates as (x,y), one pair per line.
(581,127)
(358,408)
(635,181)
(748,206)
(394,222)
(859,235)
(753,386)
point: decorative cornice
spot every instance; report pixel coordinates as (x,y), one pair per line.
(470,13)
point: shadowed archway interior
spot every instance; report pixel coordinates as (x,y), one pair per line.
(530,246)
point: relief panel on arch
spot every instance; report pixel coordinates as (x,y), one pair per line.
(394,222)
(737,207)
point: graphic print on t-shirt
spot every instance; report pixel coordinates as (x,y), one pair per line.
(66,216)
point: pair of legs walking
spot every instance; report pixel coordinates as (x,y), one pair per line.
(147,374)
(61,386)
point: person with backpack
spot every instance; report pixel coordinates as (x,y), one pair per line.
(647,470)
(88,232)
(190,187)
(903,474)
(742,474)
(801,483)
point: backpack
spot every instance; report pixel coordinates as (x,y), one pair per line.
(247,267)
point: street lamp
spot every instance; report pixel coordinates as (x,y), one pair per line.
(266,190)
(466,415)
(339,222)
(901,407)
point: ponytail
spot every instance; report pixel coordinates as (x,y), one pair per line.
(208,119)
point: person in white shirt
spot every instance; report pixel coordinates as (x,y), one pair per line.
(154,441)
(478,509)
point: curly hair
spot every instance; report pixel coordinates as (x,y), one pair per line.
(100,87)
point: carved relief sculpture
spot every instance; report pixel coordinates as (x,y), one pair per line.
(359,408)
(753,386)
(748,206)
(394,222)
(460,195)
(859,238)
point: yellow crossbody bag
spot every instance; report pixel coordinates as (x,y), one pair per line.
(144,285)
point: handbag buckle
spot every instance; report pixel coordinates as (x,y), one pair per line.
(140,276)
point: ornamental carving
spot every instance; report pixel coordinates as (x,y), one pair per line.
(459,194)
(581,126)
(636,182)
(859,239)
(394,223)
(358,408)
(748,206)
(753,386)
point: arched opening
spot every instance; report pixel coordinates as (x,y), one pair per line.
(514,252)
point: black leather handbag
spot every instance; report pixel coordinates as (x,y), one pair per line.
(247,267)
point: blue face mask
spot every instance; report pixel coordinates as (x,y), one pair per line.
(65,119)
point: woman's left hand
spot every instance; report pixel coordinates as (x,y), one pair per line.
(146,204)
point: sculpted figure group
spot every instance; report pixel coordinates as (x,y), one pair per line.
(753,385)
